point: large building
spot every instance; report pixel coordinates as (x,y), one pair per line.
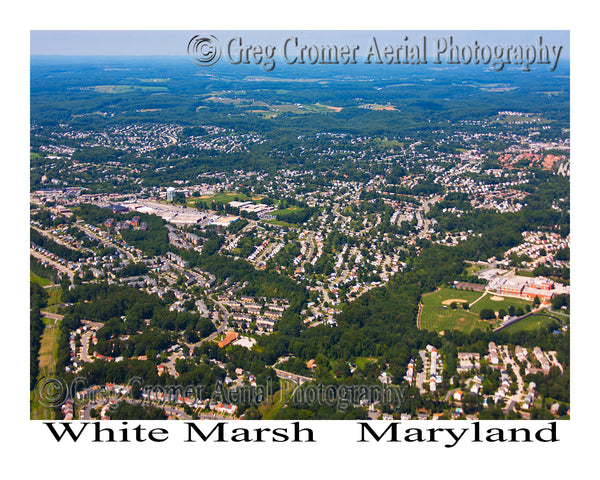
(526,287)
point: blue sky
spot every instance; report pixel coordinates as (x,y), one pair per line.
(174,42)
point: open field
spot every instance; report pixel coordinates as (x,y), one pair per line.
(475,267)
(293,208)
(278,399)
(42,282)
(376,106)
(525,273)
(389,143)
(295,108)
(37,411)
(47,363)
(437,315)
(362,361)
(49,343)
(490,301)
(565,317)
(533,322)
(442,319)
(280,223)
(127,88)
(517,119)
(267,110)
(436,299)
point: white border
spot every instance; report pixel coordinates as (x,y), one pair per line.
(337,456)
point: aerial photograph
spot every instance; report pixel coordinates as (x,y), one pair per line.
(300,225)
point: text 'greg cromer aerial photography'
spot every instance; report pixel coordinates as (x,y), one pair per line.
(300,226)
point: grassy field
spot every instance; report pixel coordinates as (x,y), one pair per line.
(362,361)
(49,343)
(280,223)
(298,109)
(475,267)
(54,295)
(42,282)
(565,317)
(127,88)
(272,405)
(377,106)
(495,305)
(293,208)
(518,119)
(37,411)
(438,317)
(389,143)
(534,322)
(444,294)
(442,319)
(47,363)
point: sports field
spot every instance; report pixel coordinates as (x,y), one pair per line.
(438,315)
(496,303)
(531,323)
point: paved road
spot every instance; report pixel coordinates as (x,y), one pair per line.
(170,363)
(507,360)
(85,339)
(55,264)
(220,329)
(105,241)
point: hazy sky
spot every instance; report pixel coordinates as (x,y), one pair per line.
(168,42)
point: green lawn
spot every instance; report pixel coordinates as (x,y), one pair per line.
(525,273)
(565,317)
(54,295)
(442,319)
(127,88)
(533,322)
(42,282)
(438,317)
(272,405)
(281,223)
(48,347)
(443,294)
(476,267)
(293,208)
(362,361)
(487,302)
(47,362)
(37,411)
